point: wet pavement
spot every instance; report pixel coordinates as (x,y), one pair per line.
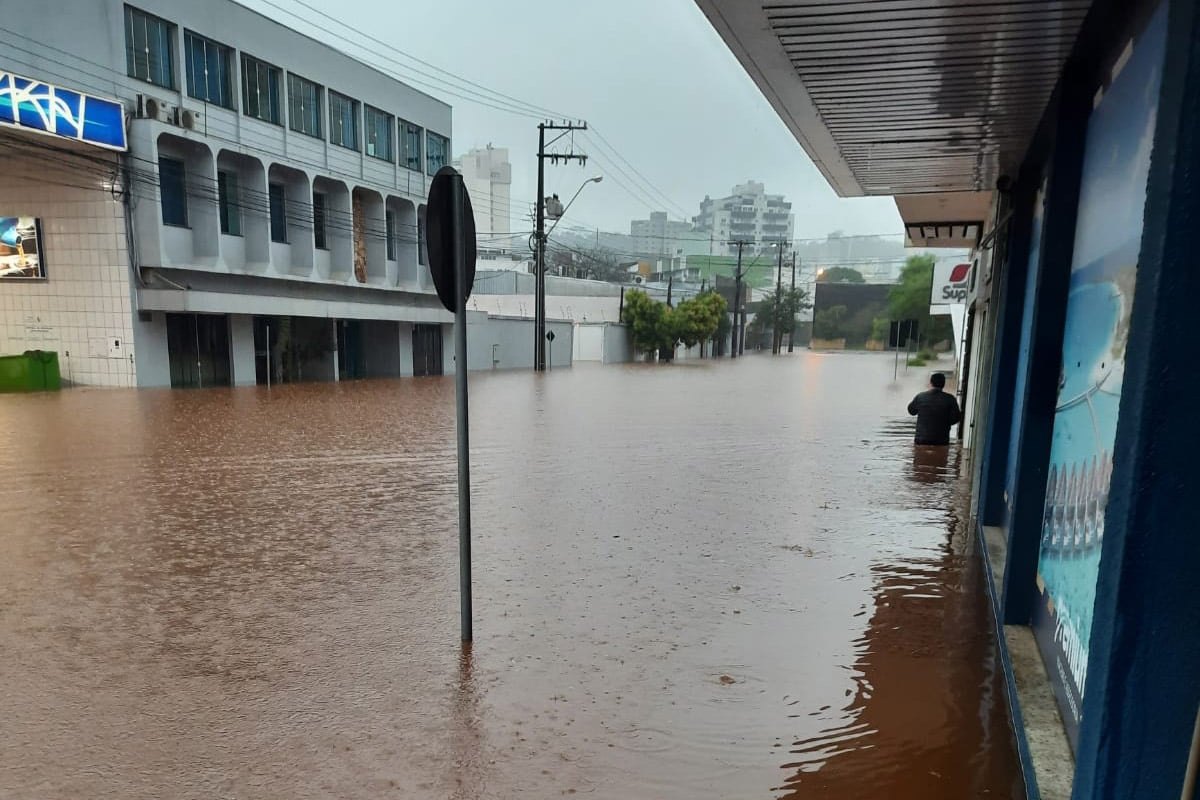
(707,580)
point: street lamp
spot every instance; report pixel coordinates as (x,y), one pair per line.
(539,291)
(563,213)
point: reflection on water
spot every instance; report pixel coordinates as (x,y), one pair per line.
(705,580)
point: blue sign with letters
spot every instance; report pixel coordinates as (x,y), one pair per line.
(45,108)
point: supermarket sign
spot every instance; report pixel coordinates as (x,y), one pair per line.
(951,284)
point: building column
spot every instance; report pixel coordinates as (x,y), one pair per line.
(1140,706)
(241,349)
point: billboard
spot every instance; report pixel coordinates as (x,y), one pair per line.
(951,283)
(48,109)
(21,248)
(1108,233)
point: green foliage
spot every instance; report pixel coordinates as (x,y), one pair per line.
(880,328)
(842,275)
(778,310)
(909,299)
(827,323)
(658,328)
(916,361)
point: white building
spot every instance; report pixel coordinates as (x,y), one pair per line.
(748,214)
(667,238)
(264,223)
(487,175)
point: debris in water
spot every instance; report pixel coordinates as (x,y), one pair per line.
(726,680)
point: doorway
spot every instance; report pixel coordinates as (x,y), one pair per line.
(198,350)
(427,350)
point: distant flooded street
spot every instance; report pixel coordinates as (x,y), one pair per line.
(705,580)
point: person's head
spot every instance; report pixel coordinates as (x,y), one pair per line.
(937,380)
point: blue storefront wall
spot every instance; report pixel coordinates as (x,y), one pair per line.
(1126,655)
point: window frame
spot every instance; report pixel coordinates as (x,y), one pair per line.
(445,142)
(319,116)
(320,220)
(337,121)
(225,59)
(270,71)
(384,122)
(168,30)
(280,190)
(389,222)
(229,211)
(182,186)
(407,160)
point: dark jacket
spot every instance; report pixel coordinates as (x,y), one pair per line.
(936,413)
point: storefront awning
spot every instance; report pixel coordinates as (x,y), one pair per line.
(894,97)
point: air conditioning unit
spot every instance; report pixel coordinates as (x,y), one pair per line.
(189,119)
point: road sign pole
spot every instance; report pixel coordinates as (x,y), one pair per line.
(459,256)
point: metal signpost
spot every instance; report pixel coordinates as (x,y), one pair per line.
(450,229)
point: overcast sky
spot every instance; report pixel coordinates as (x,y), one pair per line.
(651,76)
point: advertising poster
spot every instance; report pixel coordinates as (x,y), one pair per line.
(21,248)
(1104,265)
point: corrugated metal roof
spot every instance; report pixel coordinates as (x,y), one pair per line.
(916,95)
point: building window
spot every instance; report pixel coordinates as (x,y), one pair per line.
(379,126)
(438,147)
(228,203)
(304,106)
(260,89)
(319,221)
(421,254)
(410,145)
(343,121)
(149,48)
(172,183)
(209,70)
(278,213)
(390,220)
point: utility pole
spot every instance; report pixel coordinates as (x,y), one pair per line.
(777,332)
(737,301)
(539,283)
(792,327)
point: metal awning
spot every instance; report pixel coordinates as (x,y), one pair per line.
(892,97)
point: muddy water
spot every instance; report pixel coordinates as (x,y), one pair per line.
(718,580)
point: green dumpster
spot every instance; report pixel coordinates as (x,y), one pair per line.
(32,371)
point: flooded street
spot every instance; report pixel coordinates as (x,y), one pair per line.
(705,580)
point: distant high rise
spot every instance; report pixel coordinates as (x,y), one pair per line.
(666,238)
(749,214)
(487,175)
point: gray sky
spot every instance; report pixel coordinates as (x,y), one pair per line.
(651,76)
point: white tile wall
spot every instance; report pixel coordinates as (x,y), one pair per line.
(85,301)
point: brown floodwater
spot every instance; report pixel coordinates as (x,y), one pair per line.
(705,580)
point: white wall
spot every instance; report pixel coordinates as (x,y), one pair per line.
(83,307)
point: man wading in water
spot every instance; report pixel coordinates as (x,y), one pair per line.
(936,412)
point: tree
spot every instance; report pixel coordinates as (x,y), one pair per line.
(696,320)
(909,299)
(842,275)
(648,322)
(827,323)
(778,312)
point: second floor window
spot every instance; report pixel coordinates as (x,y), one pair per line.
(260,89)
(228,208)
(278,213)
(410,145)
(343,121)
(304,106)
(390,222)
(209,70)
(319,215)
(379,133)
(438,156)
(149,48)
(172,191)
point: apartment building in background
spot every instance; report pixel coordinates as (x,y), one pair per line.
(661,237)
(748,214)
(487,175)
